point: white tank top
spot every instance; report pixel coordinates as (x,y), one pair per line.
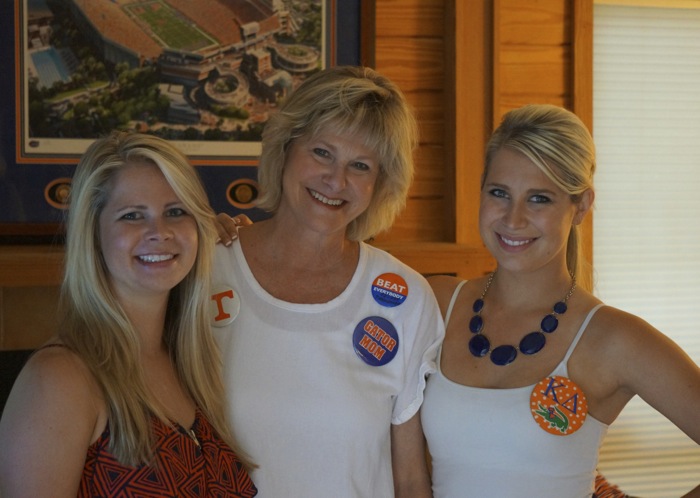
(484,443)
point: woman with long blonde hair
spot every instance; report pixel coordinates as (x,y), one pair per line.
(128,396)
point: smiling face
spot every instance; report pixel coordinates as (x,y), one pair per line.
(524,218)
(328,181)
(148,240)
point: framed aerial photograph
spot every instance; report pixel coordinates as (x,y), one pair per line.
(205,75)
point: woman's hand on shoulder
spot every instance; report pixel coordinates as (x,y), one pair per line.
(227,227)
(50,419)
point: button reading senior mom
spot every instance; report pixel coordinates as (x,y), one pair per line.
(224,305)
(389,289)
(375,340)
(558,405)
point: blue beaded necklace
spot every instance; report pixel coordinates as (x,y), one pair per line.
(532,343)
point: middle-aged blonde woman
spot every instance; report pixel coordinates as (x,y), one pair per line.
(326,339)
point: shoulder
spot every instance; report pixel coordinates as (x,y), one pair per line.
(627,343)
(619,327)
(56,388)
(445,286)
(631,357)
(56,376)
(52,415)
(54,395)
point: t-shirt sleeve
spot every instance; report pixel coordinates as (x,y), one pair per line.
(424,332)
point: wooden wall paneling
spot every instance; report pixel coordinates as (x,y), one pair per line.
(412,63)
(467,94)
(430,113)
(532,71)
(30,266)
(536,23)
(416,45)
(431,182)
(470,100)
(532,53)
(28,317)
(433,153)
(421,221)
(411,18)
(409,49)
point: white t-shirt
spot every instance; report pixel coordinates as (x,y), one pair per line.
(313,388)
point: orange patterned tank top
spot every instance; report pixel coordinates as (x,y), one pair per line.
(202,466)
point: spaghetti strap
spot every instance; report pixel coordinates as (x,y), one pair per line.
(580,332)
(452,301)
(54,345)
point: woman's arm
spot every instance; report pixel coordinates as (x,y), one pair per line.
(50,419)
(408,458)
(634,358)
(695,493)
(661,373)
(670,383)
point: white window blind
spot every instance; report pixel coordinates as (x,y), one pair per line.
(647,220)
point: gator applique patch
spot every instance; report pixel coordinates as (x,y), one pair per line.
(558,405)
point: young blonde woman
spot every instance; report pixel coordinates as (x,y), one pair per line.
(534,368)
(127,399)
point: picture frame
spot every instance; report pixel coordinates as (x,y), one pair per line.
(45,126)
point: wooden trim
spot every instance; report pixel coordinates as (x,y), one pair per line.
(582,41)
(432,258)
(30,266)
(473,97)
(452,129)
(40,266)
(368,33)
(496,58)
(659,4)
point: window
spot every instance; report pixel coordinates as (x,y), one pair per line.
(646,248)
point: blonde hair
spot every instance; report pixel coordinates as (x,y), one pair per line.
(561,146)
(94,325)
(356,101)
